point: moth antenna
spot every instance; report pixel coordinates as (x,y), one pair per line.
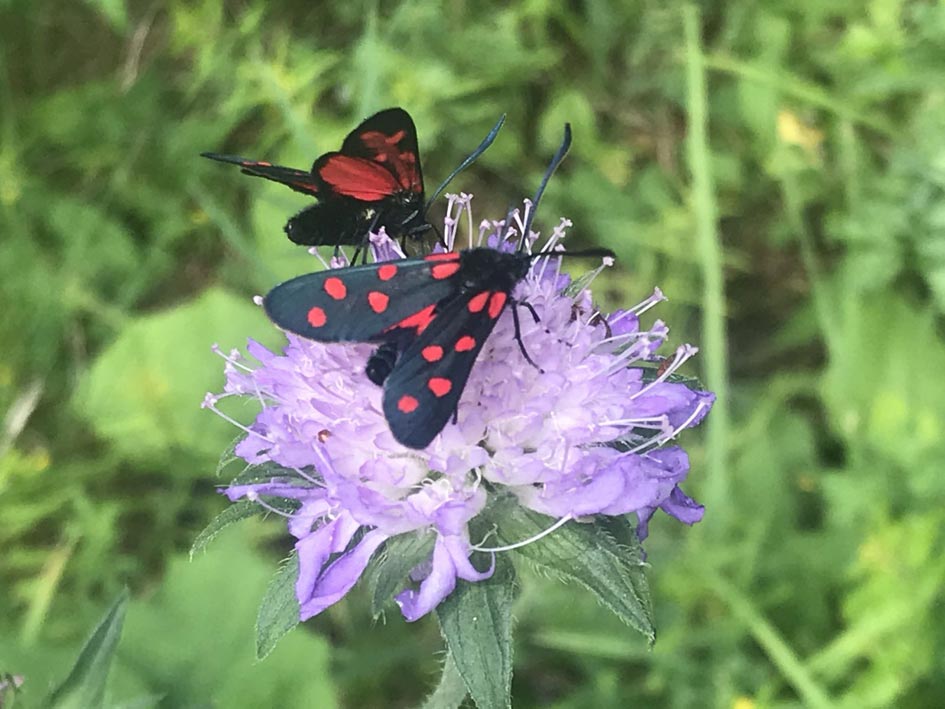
(470,159)
(553,165)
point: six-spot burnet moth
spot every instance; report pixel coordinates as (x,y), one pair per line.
(374,181)
(431,316)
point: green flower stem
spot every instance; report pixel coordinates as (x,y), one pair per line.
(710,257)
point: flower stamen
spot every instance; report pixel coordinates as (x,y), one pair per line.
(525,542)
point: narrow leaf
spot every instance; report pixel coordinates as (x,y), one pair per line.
(266,472)
(84,688)
(279,610)
(450,692)
(228,456)
(603,556)
(476,622)
(234,513)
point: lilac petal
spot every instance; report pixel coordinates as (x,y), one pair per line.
(450,559)
(452,517)
(623,322)
(458,548)
(678,504)
(383,248)
(260,352)
(683,507)
(650,480)
(576,499)
(643,522)
(304,518)
(700,405)
(315,549)
(341,575)
(662,398)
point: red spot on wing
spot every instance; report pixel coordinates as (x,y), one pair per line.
(465,343)
(432,353)
(445,256)
(378,301)
(478,302)
(335,287)
(376,140)
(386,271)
(316,317)
(444,270)
(420,320)
(362,179)
(496,302)
(407,404)
(401,163)
(439,386)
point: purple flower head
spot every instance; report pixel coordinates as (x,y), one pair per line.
(588,434)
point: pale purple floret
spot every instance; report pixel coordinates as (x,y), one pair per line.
(587,435)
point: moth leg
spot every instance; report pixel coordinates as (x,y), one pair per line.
(362,248)
(420,229)
(518,331)
(531,309)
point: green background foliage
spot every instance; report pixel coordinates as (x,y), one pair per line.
(777,168)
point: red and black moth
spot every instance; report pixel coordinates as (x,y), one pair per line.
(431,315)
(373,181)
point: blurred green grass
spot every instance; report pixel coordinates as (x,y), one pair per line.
(779,170)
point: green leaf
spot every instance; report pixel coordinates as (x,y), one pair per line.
(476,622)
(143,392)
(265,472)
(603,556)
(450,691)
(240,510)
(84,688)
(229,455)
(389,570)
(279,610)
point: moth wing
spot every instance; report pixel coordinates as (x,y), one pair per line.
(299,180)
(427,381)
(363,179)
(389,139)
(389,301)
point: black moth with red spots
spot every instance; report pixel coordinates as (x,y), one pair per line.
(437,311)
(374,181)
(431,316)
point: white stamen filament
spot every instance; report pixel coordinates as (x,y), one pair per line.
(517,545)
(625,336)
(624,357)
(213,407)
(232,358)
(522,217)
(467,200)
(254,496)
(683,352)
(314,252)
(654,422)
(450,222)
(656,297)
